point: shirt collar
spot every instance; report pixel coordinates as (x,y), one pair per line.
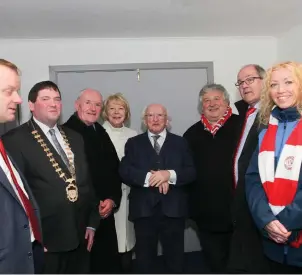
(44,127)
(161,134)
(256,106)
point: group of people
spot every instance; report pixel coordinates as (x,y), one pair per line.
(81,197)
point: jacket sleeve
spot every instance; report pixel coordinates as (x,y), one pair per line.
(291,215)
(256,197)
(186,173)
(130,173)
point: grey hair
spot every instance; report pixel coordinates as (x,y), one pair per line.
(143,117)
(213,86)
(260,71)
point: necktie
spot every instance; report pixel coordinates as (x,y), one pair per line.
(58,146)
(156,144)
(26,202)
(248,113)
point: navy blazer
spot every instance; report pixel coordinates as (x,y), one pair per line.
(140,157)
(16,254)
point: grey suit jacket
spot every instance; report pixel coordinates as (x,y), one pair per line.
(15,244)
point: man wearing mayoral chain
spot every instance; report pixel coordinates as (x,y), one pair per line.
(53,160)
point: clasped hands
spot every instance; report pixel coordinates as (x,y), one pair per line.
(277,232)
(160,179)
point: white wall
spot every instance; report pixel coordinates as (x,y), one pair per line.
(290,45)
(228,54)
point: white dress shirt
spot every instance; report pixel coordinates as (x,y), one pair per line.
(160,140)
(249,123)
(59,137)
(19,180)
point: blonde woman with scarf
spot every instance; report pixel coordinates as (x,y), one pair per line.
(273,179)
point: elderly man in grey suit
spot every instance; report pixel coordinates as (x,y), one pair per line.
(20,238)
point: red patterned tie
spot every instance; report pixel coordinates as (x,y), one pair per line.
(248,113)
(27,205)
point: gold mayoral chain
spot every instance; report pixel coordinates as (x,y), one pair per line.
(71,189)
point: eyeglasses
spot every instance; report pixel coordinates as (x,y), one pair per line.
(247,81)
(159,116)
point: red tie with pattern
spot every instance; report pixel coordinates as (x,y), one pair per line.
(26,202)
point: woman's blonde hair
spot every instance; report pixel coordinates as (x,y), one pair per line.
(120,99)
(266,102)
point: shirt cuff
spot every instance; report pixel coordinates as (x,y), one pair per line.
(88,227)
(147,179)
(173,177)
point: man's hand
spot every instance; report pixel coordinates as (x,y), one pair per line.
(158,177)
(164,188)
(89,236)
(105,207)
(277,232)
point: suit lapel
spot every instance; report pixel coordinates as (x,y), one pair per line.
(147,143)
(165,144)
(252,135)
(5,182)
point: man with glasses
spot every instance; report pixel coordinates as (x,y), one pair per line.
(157,166)
(246,254)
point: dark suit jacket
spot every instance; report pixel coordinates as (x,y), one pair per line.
(63,222)
(140,158)
(211,194)
(246,248)
(15,242)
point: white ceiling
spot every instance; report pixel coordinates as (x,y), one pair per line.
(146,18)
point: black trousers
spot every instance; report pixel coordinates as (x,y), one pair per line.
(126,262)
(278,268)
(215,247)
(105,258)
(38,256)
(71,262)
(170,232)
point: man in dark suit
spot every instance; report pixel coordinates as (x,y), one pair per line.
(158,166)
(103,164)
(246,254)
(53,160)
(20,239)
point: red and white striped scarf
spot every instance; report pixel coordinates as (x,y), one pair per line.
(281,186)
(214,128)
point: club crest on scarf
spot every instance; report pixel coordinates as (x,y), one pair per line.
(288,163)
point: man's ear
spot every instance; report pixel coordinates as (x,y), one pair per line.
(31,106)
(76,105)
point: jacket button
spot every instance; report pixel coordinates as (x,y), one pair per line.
(25,226)
(29,255)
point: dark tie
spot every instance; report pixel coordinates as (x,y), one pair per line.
(26,202)
(156,144)
(58,146)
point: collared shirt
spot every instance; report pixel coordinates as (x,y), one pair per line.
(160,140)
(19,180)
(59,137)
(248,125)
